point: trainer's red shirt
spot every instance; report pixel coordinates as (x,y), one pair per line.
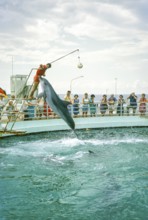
(40,72)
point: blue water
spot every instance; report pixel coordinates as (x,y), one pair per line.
(53,176)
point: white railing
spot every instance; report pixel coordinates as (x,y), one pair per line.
(35,111)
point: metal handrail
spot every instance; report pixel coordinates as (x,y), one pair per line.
(27,81)
(121,112)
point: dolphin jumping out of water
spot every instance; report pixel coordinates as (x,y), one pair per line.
(58,105)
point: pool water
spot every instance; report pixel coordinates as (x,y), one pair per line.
(103,175)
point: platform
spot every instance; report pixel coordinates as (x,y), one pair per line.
(57,124)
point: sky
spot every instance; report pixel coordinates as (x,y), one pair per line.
(111,35)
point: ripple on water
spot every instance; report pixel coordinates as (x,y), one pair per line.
(53,175)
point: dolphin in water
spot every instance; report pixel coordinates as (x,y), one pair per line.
(58,105)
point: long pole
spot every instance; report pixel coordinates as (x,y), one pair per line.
(64,56)
(53,61)
(50,62)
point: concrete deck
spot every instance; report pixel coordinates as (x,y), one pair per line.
(46,125)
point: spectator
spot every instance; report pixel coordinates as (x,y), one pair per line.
(111,104)
(10,110)
(75,105)
(103,105)
(85,105)
(142,105)
(120,107)
(40,107)
(92,105)
(133,103)
(68,99)
(31,108)
(24,108)
(47,110)
(13,99)
(68,96)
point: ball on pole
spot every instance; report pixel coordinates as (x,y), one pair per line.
(80,65)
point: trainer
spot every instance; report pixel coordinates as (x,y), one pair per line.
(40,72)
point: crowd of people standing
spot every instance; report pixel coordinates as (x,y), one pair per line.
(86,106)
(118,105)
(107,105)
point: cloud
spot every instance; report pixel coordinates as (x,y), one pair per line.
(105,22)
(111,35)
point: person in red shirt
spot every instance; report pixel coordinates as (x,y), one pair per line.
(40,72)
(142,105)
